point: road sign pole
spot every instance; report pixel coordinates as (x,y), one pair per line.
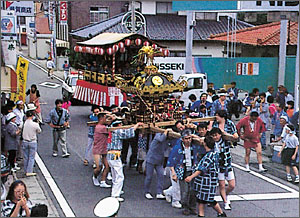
(282,51)
(296,90)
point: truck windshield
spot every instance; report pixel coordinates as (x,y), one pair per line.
(195,83)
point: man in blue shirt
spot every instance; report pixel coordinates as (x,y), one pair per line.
(58,119)
(276,119)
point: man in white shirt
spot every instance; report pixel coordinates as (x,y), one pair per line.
(50,67)
(19,112)
(30,131)
(287,97)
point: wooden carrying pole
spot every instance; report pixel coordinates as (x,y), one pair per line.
(161,124)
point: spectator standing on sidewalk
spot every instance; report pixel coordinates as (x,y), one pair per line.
(17,203)
(30,131)
(66,66)
(34,97)
(276,120)
(50,67)
(11,143)
(288,153)
(270,92)
(252,127)
(19,111)
(58,119)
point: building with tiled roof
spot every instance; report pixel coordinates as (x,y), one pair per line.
(169,30)
(263,40)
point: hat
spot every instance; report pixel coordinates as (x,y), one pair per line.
(285,118)
(107,207)
(19,102)
(116,122)
(31,107)
(10,116)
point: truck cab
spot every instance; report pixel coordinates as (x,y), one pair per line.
(196,84)
(68,86)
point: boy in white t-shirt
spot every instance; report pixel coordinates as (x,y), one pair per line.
(288,153)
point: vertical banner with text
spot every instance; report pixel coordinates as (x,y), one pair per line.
(63,12)
(22,68)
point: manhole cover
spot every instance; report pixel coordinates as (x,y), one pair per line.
(50,85)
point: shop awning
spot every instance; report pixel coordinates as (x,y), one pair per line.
(60,43)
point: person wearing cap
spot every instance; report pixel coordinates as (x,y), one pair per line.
(270,92)
(30,131)
(11,143)
(220,104)
(288,153)
(114,148)
(58,120)
(284,121)
(280,98)
(253,127)
(276,120)
(34,97)
(181,160)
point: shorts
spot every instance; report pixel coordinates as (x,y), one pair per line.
(213,203)
(286,157)
(141,154)
(228,178)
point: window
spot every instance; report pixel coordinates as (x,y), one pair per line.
(206,16)
(98,14)
(21,20)
(194,83)
(177,54)
(164,8)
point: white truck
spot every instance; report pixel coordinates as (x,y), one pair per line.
(68,86)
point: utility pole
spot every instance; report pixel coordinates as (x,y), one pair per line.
(282,50)
(133,16)
(296,90)
(189,42)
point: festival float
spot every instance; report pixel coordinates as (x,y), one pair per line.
(149,90)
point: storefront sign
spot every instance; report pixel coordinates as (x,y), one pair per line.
(140,21)
(63,12)
(8,25)
(269,5)
(9,52)
(204,5)
(249,69)
(22,8)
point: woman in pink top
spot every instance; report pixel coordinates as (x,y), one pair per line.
(66,104)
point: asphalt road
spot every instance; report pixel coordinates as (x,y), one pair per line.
(254,196)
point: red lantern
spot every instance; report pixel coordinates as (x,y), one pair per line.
(121,45)
(127,42)
(166,52)
(76,48)
(161,50)
(100,51)
(154,46)
(138,41)
(146,43)
(88,49)
(122,50)
(79,49)
(95,51)
(83,49)
(115,48)
(109,51)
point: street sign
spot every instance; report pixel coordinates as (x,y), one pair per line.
(204,5)
(8,25)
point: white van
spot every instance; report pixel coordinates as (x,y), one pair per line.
(196,84)
(68,86)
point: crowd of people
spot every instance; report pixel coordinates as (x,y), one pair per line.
(197,156)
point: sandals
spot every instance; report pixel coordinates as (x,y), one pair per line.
(85,162)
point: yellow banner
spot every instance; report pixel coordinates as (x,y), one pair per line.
(22,68)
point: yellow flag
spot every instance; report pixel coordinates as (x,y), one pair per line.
(22,68)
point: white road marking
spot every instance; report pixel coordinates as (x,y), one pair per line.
(257,197)
(267,179)
(56,191)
